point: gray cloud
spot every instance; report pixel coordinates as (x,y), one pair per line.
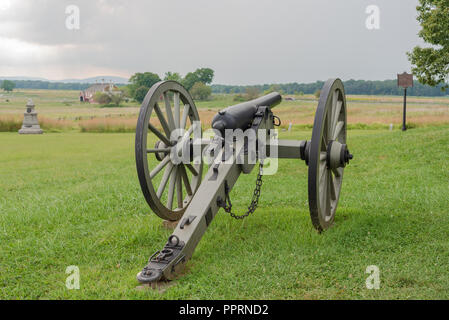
(244,41)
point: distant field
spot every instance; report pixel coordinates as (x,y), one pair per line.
(74,199)
(61,111)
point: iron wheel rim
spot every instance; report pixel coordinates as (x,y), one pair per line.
(324,184)
(177,172)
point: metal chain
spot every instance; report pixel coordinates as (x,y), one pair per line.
(227,205)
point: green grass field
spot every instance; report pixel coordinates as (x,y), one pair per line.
(74,199)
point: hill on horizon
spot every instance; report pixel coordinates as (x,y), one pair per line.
(99,79)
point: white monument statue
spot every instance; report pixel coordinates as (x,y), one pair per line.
(30,124)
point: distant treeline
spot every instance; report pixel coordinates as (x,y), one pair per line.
(386,87)
(38,84)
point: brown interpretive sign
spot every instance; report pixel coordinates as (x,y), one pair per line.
(405,80)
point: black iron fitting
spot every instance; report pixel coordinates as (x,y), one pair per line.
(170,251)
(186,221)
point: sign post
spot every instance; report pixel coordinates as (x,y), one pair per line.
(405,80)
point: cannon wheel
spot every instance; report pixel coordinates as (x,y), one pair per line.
(324,184)
(161,180)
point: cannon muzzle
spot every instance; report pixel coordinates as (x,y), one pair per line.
(241,115)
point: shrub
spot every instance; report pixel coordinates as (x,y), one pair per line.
(200,91)
(273,88)
(140,93)
(251,93)
(239,98)
(108,100)
(112,125)
(14,123)
(117,99)
(102,98)
(10,123)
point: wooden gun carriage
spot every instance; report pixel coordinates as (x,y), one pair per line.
(175,189)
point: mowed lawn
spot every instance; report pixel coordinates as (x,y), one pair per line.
(74,199)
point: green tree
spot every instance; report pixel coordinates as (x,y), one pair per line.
(431,64)
(204,75)
(146,79)
(140,93)
(125,92)
(189,80)
(251,93)
(273,88)
(175,76)
(8,85)
(200,91)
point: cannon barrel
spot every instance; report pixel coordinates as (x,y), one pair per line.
(241,115)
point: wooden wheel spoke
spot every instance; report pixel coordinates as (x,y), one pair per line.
(164,180)
(162,120)
(331,113)
(336,115)
(171,188)
(323,170)
(338,128)
(323,143)
(159,134)
(159,167)
(323,156)
(179,187)
(190,131)
(185,178)
(323,187)
(334,99)
(161,150)
(328,210)
(177,113)
(337,172)
(185,115)
(169,112)
(326,135)
(333,194)
(192,169)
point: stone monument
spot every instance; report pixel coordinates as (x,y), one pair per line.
(30,124)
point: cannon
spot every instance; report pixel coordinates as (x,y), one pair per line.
(175,188)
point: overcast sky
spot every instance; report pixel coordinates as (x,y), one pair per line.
(244,41)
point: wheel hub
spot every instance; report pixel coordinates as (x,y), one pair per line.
(159,145)
(160,155)
(338,155)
